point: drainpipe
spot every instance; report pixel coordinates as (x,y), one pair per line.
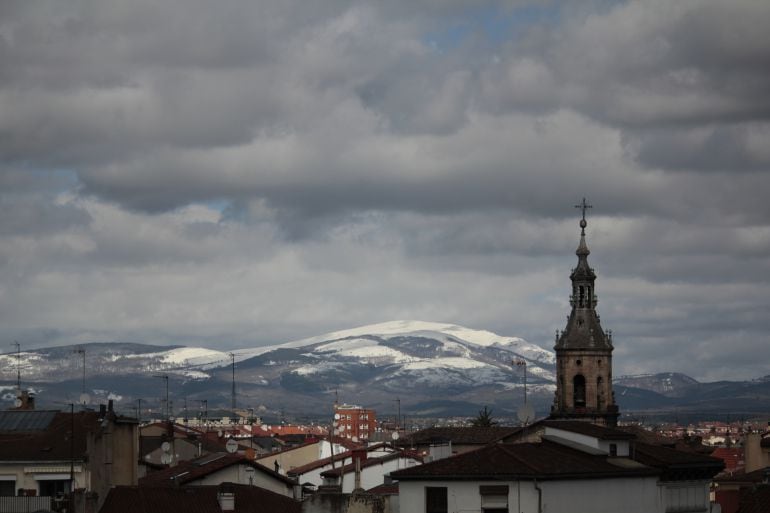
(539,497)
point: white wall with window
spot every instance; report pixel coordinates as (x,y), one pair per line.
(630,495)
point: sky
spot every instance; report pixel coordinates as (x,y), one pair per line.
(234,174)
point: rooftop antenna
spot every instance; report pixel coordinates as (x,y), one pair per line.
(232,405)
(205,405)
(525,413)
(18,364)
(84,399)
(165,378)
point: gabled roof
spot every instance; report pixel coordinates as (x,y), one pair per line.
(369,462)
(459,435)
(25,420)
(544,460)
(677,464)
(313,465)
(195,499)
(193,470)
(741,477)
(35,440)
(589,429)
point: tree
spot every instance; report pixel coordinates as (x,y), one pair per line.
(484,419)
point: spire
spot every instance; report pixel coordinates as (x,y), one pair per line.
(583,327)
(584,350)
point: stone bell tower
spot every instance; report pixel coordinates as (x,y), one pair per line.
(584,351)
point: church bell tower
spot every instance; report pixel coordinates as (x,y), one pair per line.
(584,350)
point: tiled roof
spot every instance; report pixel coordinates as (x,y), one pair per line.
(544,460)
(313,465)
(754,477)
(369,462)
(195,499)
(188,471)
(589,429)
(384,489)
(25,420)
(459,435)
(732,456)
(676,463)
(52,442)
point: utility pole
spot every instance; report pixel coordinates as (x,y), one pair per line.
(139,410)
(398,418)
(82,352)
(232,405)
(18,365)
(523,364)
(165,378)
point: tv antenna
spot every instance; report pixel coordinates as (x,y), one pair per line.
(84,399)
(525,413)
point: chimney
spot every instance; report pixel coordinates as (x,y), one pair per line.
(753,452)
(226,497)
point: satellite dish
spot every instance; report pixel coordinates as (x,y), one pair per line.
(85,398)
(336,416)
(165,459)
(395,435)
(355,439)
(165,446)
(525,413)
(17,402)
(231,446)
(219,433)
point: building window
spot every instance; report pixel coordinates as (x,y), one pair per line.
(579,391)
(7,486)
(53,487)
(494,498)
(436,499)
(613,450)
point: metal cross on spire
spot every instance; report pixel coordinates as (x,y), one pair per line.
(583,206)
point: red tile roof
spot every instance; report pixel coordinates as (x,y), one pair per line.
(543,460)
(195,499)
(732,456)
(192,470)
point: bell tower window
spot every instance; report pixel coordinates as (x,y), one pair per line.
(579,391)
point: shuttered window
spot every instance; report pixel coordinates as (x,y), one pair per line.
(436,499)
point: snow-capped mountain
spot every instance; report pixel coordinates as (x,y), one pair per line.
(419,362)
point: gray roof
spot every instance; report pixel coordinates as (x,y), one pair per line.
(25,420)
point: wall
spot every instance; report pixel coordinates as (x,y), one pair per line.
(629,495)
(292,458)
(375,475)
(239,474)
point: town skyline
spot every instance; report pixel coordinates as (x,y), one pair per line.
(229,178)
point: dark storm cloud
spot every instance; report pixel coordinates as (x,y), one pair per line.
(253,172)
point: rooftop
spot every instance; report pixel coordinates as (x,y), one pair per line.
(195,499)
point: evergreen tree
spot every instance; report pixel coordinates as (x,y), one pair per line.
(484,419)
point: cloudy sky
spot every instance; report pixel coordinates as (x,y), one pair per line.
(232,174)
